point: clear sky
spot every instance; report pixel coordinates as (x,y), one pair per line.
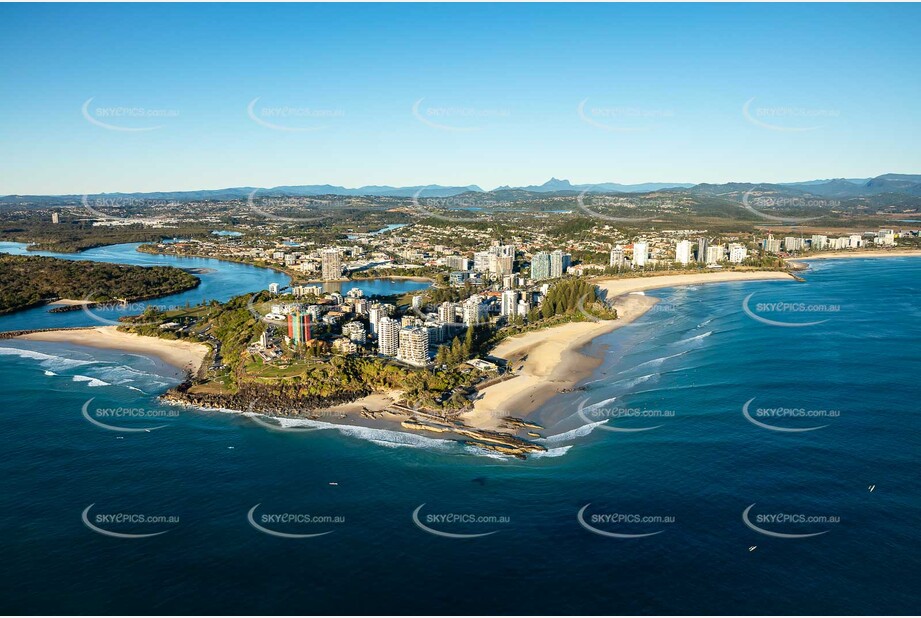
(108,97)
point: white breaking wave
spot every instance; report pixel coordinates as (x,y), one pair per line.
(553,452)
(597,405)
(48,361)
(90,381)
(578,432)
(50,373)
(482,452)
(656,361)
(381,437)
(637,380)
(123,375)
(695,338)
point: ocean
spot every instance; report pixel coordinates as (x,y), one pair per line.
(673,483)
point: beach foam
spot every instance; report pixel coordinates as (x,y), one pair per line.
(93,382)
(48,361)
(553,452)
(695,338)
(578,432)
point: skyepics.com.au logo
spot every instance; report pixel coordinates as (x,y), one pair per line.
(457,118)
(111,311)
(117,210)
(125,419)
(130,119)
(594,308)
(469,207)
(618,525)
(790,119)
(622,119)
(293,524)
(291,209)
(638,418)
(784,419)
(788,525)
(128,525)
(292,118)
(778,311)
(459,525)
(614,208)
(759,204)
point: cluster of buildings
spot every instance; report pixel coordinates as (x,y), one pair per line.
(704,251)
(821,242)
(356,324)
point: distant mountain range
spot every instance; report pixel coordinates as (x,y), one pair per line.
(837,188)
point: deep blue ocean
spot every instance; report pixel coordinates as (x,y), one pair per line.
(608,522)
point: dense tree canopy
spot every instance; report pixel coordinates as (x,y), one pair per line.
(29,280)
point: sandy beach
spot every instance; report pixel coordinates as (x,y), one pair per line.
(616,287)
(843,255)
(181,354)
(548,361)
(70,302)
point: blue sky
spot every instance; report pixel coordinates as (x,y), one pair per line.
(140,98)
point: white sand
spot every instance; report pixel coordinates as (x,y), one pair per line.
(548,361)
(181,354)
(616,287)
(838,255)
(70,302)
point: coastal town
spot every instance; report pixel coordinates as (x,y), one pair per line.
(423,319)
(503,285)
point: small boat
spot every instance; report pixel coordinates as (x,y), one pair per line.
(334,484)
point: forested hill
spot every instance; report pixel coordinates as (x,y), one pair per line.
(29,280)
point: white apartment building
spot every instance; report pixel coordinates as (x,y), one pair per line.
(524,307)
(640,253)
(559,263)
(737,253)
(715,254)
(683,252)
(447,312)
(617,257)
(388,336)
(414,346)
(355,331)
(509,302)
(474,311)
(331,264)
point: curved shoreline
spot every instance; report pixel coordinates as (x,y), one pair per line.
(836,255)
(183,355)
(552,360)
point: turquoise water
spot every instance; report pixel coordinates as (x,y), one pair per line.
(220,281)
(686,369)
